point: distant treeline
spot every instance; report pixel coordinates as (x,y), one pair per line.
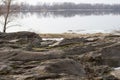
(14,7)
(67,6)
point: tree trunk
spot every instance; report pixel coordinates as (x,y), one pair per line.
(7,15)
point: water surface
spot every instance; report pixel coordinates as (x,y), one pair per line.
(60,22)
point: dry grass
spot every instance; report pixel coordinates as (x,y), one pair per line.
(71,35)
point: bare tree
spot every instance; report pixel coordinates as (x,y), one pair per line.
(8,7)
(8,10)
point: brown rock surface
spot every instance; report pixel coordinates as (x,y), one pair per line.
(89,58)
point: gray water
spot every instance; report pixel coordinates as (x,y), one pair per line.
(60,22)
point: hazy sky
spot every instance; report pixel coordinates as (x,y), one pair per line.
(76,1)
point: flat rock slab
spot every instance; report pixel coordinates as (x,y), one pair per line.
(19,55)
(59,66)
(116,73)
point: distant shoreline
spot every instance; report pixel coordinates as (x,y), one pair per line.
(64,10)
(70,35)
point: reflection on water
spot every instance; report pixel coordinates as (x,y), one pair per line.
(62,21)
(73,13)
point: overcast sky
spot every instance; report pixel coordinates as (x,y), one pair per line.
(76,1)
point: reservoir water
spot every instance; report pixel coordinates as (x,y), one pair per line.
(62,21)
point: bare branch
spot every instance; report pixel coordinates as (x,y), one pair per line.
(16,25)
(7,14)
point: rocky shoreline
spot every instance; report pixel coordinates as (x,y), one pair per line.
(25,56)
